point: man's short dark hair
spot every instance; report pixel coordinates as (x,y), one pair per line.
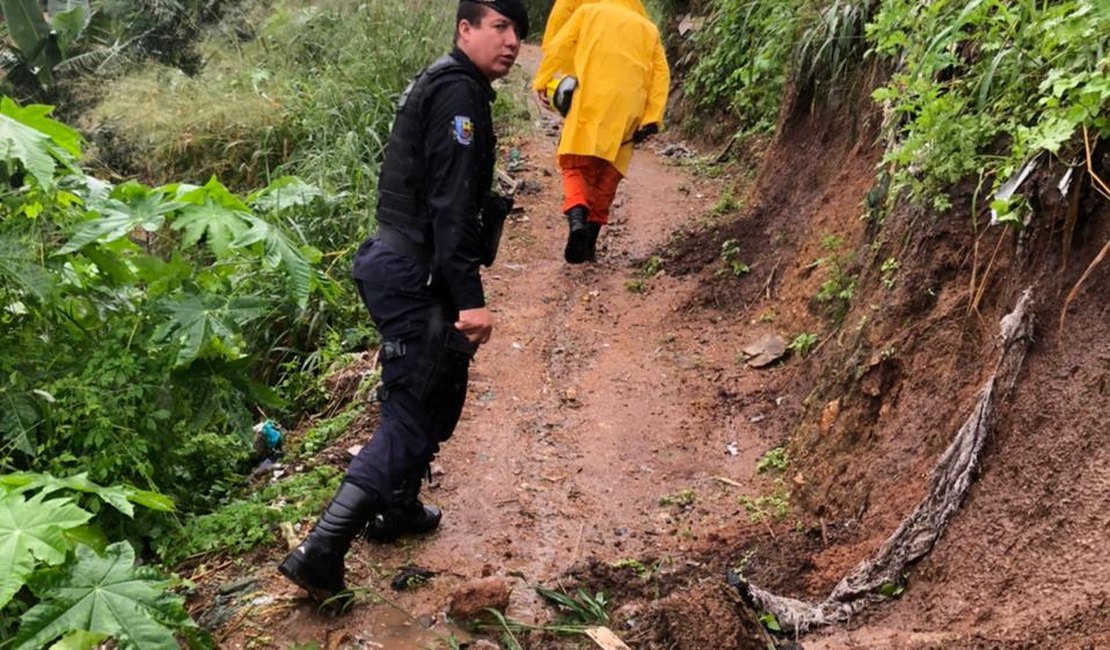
(471,12)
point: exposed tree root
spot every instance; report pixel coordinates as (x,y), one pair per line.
(952,477)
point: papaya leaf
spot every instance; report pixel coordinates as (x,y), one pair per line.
(37,116)
(79,640)
(28,146)
(32,530)
(195,320)
(117,496)
(103,595)
(285,192)
(130,206)
(216,223)
(151,500)
(281,251)
(88,535)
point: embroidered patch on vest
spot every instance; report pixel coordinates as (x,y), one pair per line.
(463,130)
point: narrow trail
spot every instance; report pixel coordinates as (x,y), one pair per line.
(586,408)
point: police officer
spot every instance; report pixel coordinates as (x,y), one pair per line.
(419,278)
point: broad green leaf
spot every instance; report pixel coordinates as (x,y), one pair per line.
(105,229)
(28,146)
(88,535)
(281,251)
(152,500)
(130,206)
(114,495)
(119,497)
(79,640)
(32,530)
(285,192)
(195,321)
(106,595)
(69,24)
(187,326)
(216,223)
(162,277)
(32,36)
(37,116)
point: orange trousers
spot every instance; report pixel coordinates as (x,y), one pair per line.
(589,181)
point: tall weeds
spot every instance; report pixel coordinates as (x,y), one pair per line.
(311,92)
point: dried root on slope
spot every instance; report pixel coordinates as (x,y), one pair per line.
(952,477)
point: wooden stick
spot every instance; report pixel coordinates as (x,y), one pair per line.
(727,481)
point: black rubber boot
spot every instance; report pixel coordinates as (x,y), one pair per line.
(317,564)
(411,517)
(578,237)
(593,229)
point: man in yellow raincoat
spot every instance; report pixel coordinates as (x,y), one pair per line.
(564,9)
(623,80)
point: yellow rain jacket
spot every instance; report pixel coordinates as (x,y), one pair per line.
(623,80)
(564,9)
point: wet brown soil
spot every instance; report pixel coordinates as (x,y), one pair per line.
(612,434)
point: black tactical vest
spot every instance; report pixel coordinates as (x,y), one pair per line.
(402,190)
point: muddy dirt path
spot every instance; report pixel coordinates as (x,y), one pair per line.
(586,408)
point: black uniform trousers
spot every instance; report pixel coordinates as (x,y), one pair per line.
(425,368)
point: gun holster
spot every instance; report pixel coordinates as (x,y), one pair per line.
(495,210)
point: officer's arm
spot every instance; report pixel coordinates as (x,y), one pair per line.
(453,146)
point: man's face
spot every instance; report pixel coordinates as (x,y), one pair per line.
(492,44)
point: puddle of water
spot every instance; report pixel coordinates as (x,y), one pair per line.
(386,628)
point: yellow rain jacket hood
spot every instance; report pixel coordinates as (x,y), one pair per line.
(623,80)
(564,9)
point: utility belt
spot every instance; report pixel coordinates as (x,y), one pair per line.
(402,243)
(495,209)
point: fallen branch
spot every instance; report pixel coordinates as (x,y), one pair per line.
(917,534)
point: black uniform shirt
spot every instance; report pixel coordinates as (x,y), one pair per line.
(459,150)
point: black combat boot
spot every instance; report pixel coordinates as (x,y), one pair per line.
(317,564)
(578,237)
(593,229)
(409,517)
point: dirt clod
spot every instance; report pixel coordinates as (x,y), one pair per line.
(471,599)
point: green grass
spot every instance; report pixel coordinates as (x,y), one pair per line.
(244,523)
(312,94)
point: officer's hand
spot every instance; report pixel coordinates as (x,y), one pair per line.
(644,132)
(476,324)
(542,96)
